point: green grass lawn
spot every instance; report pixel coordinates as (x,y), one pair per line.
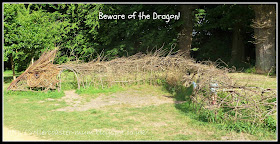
(25,111)
(256,80)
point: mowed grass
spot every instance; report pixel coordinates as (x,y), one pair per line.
(25,112)
(255,80)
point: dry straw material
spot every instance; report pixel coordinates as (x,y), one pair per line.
(41,74)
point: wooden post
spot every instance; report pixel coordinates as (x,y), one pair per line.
(13,67)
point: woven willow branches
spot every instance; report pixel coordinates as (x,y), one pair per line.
(41,74)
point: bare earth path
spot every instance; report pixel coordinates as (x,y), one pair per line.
(14,135)
(130,98)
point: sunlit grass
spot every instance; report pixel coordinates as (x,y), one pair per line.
(25,111)
(255,80)
(163,122)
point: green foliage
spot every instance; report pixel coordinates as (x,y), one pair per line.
(194,49)
(272,72)
(270,123)
(206,115)
(214,27)
(79,38)
(250,70)
(226,16)
(30,29)
(29,32)
(199,16)
(126,37)
(76,29)
(160,81)
(212,47)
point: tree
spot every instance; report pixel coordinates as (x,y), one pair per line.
(29,32)
(126,37)
(79,40)
(241,17)
(264,27)
(223,32)
(10,33)
(185,38)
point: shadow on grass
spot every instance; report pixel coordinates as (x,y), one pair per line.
(196,112)
(182,93)
(8,76)
(8,79)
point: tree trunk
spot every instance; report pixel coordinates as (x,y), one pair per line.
(185,38)
(264,28)
(32,60)
(13,67)
(238,51)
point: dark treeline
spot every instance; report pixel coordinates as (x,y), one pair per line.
(240,35)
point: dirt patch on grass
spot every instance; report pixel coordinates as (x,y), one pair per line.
(72,99)
(129,98)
